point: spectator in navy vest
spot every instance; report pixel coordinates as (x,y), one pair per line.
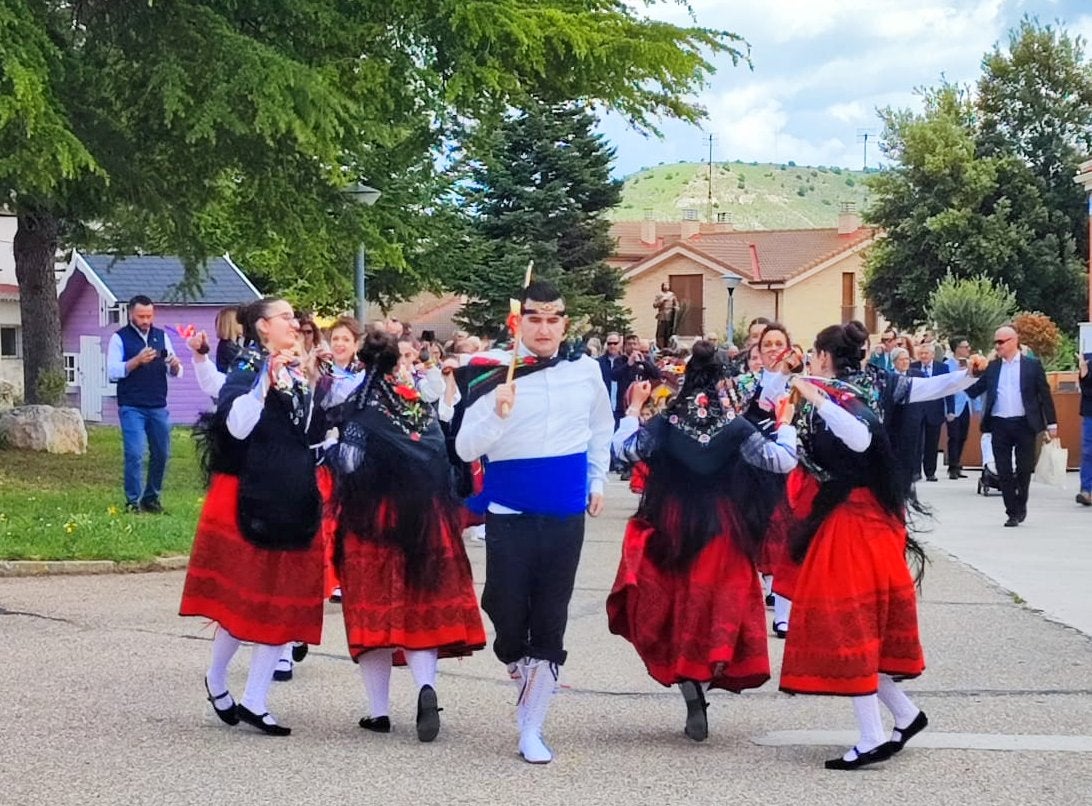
(930,415)
(613,366)
(139,359)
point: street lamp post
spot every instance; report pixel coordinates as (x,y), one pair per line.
(361,194)
(731,282)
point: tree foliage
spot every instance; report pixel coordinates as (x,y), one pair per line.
(1039,333)
(983,183)
(540,190)
(973,307)
(198,127)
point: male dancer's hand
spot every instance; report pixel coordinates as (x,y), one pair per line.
(506,398)
(595,504)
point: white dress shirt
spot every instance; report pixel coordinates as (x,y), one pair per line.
(1009,402)
(558,411)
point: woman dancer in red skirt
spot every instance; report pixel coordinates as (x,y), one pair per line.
(406,584)
(687,595)
(855,627)
(256,565)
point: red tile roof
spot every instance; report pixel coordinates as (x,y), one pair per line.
(782,254)
(9,292)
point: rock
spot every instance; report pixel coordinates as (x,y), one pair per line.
(44,428)
(7,395)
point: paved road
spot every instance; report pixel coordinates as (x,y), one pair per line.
(102,702)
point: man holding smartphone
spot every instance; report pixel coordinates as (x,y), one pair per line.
(139,359)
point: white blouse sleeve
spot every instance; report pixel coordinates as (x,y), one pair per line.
(209,379)
(938,386)
(851,431)
(246,409)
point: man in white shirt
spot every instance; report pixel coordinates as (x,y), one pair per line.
(1018,409)
(546,442)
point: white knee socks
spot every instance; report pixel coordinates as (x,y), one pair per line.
(284,662)
(422,663)
(375,669)
(896,701)
(224,647)
(867,711)
(781,609)
(263,660)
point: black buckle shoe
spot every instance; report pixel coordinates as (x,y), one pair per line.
(299,651)
(428,714)
(377,724)
(921,721)
(227,715)
(258,721)
(874,756)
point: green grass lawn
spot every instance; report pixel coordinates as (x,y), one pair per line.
(72,507)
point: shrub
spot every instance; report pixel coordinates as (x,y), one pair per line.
(972,306)
(850,181)
(1039,333)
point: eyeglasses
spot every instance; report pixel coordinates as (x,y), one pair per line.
(306,331)
(999,342)
(888,338)
(287,316)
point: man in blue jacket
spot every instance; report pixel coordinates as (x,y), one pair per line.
(139,359)
(958,411)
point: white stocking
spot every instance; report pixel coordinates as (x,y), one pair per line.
(224,647)
(867,711)
(375,669)
(781,609)
(422,663)
(896,701)
(263,660)
(285,662)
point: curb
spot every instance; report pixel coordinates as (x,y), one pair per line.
(38,568)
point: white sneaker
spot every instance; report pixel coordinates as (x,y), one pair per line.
(533,749)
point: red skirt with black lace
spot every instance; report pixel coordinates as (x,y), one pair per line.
(854,605)
(775,558)
(706,623)
(260,595)
(382,610)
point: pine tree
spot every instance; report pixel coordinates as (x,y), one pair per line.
(541,190)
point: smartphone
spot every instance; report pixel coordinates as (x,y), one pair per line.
(163,353)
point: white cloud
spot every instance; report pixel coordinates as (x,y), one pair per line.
(849,112)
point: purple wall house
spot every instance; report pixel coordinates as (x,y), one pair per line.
(93,293)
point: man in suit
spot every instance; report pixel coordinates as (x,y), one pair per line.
(1018,410)
(958,414)
(612,365)
(930,413)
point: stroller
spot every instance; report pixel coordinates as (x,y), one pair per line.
(989,479)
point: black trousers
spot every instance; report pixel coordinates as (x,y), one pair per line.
(665,329)
(957,439)
(1012,436)
(929,444)
(530,569)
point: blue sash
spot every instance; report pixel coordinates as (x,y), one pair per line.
(552,485)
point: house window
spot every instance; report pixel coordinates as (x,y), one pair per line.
(110,315)
(11,342)
(71,369)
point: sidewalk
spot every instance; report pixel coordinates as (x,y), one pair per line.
(1046,561)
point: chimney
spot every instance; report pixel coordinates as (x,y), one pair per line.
(691,226)
(648,229)
(848,220)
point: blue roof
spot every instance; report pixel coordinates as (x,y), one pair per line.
(161,278)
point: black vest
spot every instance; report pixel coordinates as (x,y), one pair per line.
(144,386)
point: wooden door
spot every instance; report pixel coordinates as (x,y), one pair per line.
(90,377)
(689,288)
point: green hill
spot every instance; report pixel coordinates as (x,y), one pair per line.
(754,195)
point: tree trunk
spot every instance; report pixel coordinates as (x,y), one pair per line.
(35,250)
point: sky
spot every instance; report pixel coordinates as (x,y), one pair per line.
(821,68)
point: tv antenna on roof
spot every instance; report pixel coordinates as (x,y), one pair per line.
(863,136)
(712,139)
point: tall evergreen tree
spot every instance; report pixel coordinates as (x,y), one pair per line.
(541,188)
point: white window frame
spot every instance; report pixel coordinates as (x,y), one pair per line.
(71,371)
(18,343)
(110,315)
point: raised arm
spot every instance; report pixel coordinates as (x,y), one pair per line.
(776,455)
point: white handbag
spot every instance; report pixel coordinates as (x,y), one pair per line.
(1051,467)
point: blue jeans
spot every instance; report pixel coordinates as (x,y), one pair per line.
(1086,454)
(144,430)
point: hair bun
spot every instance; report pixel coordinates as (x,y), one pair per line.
(855,333)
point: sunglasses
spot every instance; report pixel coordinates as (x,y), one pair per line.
(613,343)
(889,338)
(307,331)
(999,342)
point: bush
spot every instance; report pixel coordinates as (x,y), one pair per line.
(1066,358)
(792,164)
(973,307)
(850,181)
(836,171)
(801,192)
(1039,333)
